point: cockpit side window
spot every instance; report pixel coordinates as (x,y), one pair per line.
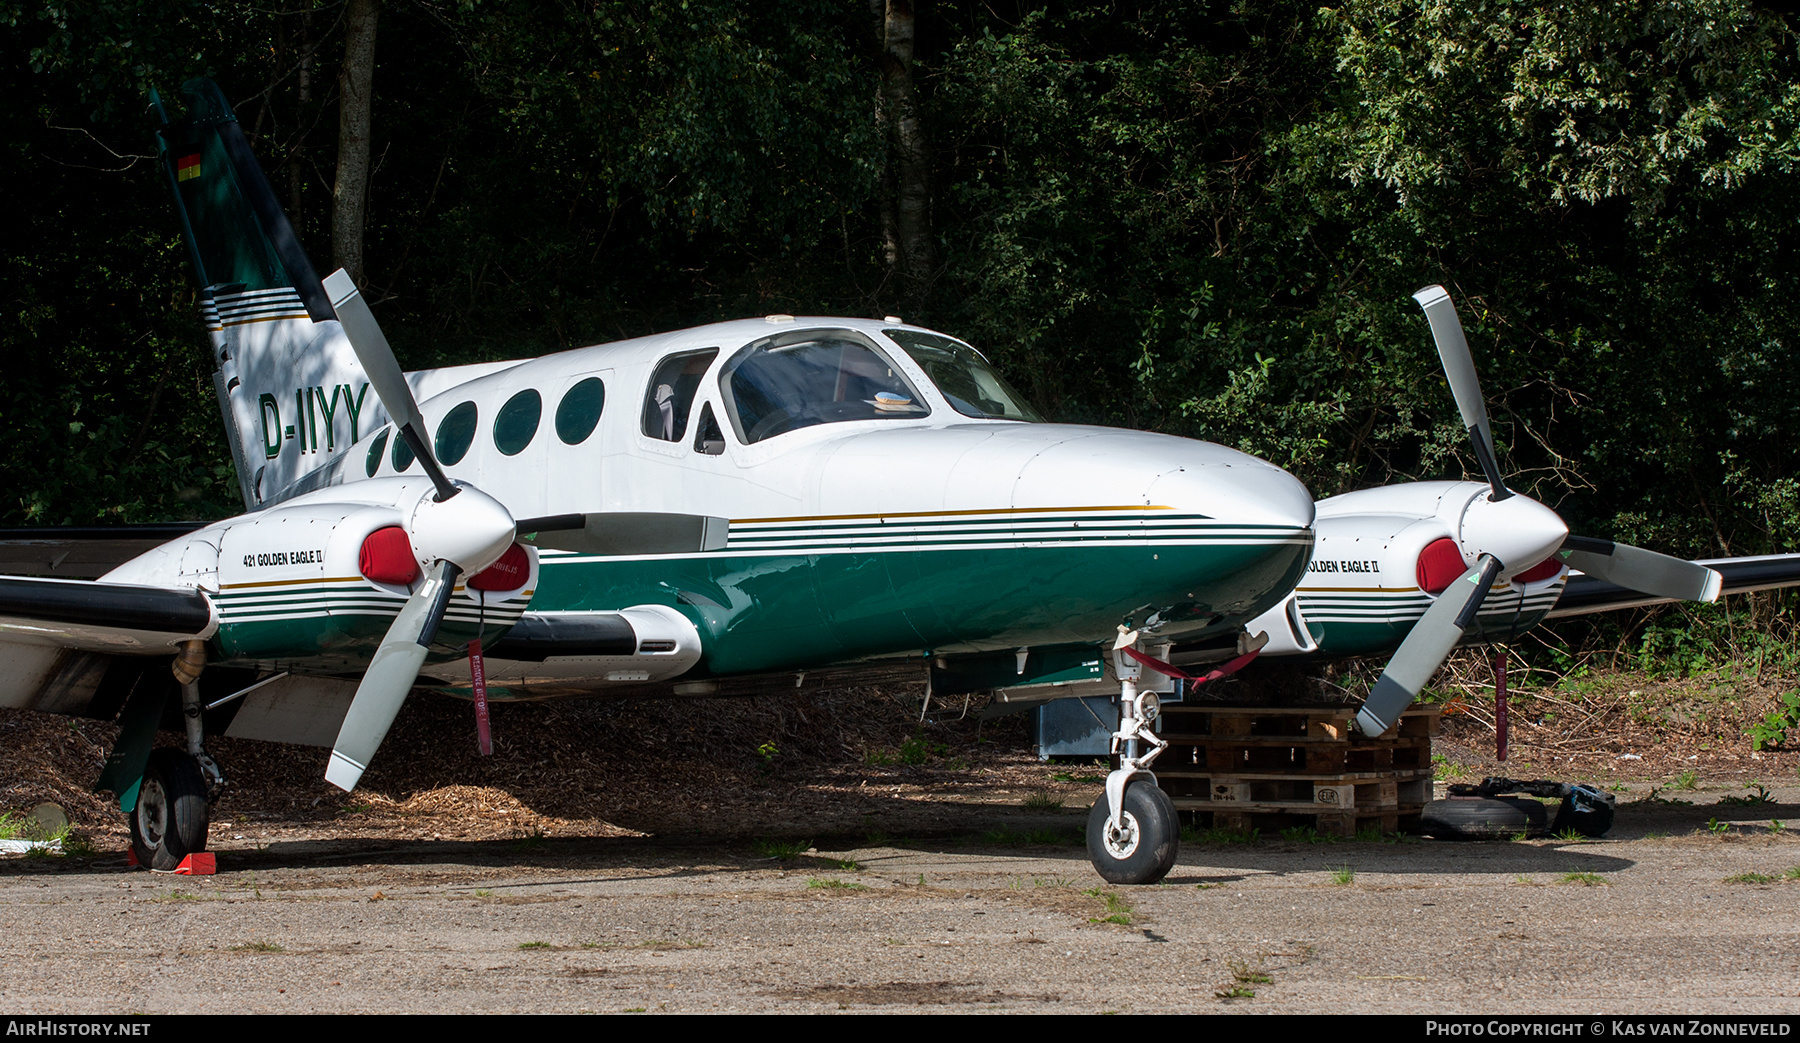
(965,378)
(670,395)
(807,377)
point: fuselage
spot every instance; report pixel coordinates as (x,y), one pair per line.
(835,524)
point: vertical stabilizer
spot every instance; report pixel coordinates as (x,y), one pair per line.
(291,390)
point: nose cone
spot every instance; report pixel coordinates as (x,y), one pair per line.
(1518,530)
(470,529)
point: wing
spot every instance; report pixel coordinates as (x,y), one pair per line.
(102,617)
(1585,594)
(82,552)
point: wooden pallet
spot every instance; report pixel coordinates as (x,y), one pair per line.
(1274,792)
(1271,768)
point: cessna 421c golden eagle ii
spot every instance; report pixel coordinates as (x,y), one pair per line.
(714,510)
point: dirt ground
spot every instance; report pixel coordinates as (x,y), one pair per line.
(829,852)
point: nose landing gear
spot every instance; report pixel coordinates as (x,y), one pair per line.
(1133,832)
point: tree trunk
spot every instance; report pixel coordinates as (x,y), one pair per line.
(910,154)
(302,101)
(350,195)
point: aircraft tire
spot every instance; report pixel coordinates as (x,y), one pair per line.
(1147,847)
(170,820)
(1482,818)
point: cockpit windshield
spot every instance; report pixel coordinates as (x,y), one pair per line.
(807,377)
(965,378)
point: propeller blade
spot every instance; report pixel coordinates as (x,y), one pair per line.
(1465,386)
(1426,648)
(389,677)
(1635,568)
(377,358)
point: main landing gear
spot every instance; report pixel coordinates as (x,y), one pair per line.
(1133,832)
(170,819)
(173,811)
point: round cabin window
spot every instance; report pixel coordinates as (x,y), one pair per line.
(579,411)
(376,448)
(403,453)
(517,422)
(455,433)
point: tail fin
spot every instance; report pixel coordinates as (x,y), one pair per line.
(283,362)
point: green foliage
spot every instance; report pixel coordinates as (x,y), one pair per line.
(1199,219)
(1117,909)
(782,850)
(1583,879)
(919,749)
(1773,729)
(1759,794)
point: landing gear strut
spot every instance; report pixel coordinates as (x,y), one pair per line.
(1133,833)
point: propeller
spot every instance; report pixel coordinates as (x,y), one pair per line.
(454,529)
(1508,534)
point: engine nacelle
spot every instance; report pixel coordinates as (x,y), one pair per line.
(307,581)
(1380,558)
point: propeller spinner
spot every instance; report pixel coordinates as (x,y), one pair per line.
(1507,534)
(454,529)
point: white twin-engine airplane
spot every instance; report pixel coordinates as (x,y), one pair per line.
(718,510)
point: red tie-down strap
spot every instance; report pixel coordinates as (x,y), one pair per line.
(1172,670)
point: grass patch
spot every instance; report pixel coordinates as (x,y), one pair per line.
(262,946)
(535,945)
(1689,779)
(782,850)
(1244,979)
(1759,794)
(1343,876)
(1751,878)
(1583,879)
(830,883)
(1040,800)
(1118,910)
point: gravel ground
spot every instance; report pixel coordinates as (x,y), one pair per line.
(1647,920)
(830,852)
